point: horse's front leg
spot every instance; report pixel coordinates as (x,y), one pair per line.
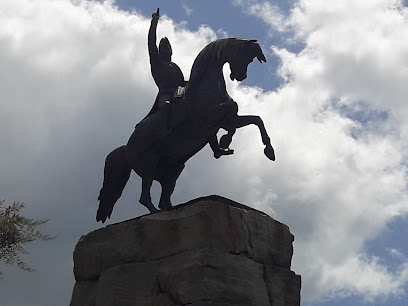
(226,139)
(213,119)
(216,147)
(237,122)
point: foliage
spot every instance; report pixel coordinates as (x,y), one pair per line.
(16,231)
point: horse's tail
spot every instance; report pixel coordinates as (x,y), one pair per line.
(116,174)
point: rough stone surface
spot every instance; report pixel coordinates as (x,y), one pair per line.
(85,292)
(196,276)
(282,280)
(129,284)
(209,251)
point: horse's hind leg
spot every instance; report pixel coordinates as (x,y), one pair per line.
(145,198)
(145,167)
(168,183)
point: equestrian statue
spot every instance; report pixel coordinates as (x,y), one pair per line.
(185,117)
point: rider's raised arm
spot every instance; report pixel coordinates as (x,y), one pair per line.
(151,39)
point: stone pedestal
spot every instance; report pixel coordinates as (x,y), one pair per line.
(210,251)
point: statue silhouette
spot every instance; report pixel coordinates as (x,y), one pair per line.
(157,151)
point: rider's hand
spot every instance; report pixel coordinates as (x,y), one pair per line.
(156,15)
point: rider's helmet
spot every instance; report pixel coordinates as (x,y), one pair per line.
(165,47)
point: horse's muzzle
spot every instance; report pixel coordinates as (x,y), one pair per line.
(239,77)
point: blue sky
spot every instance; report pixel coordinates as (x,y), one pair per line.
(76,78)
(225,19)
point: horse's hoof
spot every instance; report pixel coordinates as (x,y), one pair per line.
(228,152)
(165,206)
(220,153)
(146,202)
(225,141)
(152,209)
(269,153)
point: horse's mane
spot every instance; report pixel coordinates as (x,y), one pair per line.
(213,52)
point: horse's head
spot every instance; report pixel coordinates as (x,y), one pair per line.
(242,53)
(237,52)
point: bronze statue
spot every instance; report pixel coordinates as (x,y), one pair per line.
(162,142)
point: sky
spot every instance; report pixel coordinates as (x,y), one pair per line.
(75,80)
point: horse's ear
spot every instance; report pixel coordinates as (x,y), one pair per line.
(259,54)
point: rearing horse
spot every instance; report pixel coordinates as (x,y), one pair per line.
(162,143)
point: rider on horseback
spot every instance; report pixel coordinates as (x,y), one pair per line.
(169,79)
(166,74)
(209,108)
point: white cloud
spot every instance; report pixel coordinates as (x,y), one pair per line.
(269,13)
(341,176)
(369,278)
(359,41)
